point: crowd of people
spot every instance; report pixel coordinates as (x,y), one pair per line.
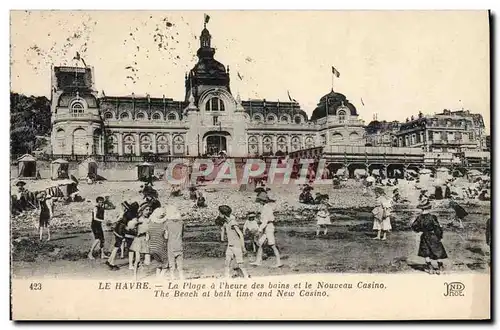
(148,231)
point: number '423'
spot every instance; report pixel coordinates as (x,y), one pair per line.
(36,286)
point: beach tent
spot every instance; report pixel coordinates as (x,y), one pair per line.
(425,171)
(442,173)
(359,173)
(145,171)
(341,171)
(27,167)
(59,169)
(87,168)
(473,173)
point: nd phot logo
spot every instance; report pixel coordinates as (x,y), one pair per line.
(454,289)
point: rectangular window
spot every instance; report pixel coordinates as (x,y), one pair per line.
(215,120)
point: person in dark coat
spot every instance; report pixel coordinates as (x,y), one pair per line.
(430,246)
(460,214)
(438,193)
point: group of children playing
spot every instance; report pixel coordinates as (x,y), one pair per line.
(148,230)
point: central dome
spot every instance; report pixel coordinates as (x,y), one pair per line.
(329,104)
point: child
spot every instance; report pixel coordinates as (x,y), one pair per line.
(129,213)
(158,240)
(430,246)
(251,228)
(96,226)
(46,213)
(266,228)
(235,241)
(382,220)
(322,217)
(140,245)
(174,234)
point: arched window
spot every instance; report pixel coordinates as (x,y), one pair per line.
(309,142)
(271,118)
(253,145)
(282,144)
(108,115)
(295,143)
(146,145)
(172,116)
(298,119)
(267,144)
(140,116)
(341,115)
(156,116)
(124,115)
(214,104)
(163,145)
(284,119)
(257,117)
(77,109)
(129,144)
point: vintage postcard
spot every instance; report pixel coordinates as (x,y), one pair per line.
(250,165)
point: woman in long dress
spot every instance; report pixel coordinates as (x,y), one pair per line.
(430,246)
(382,213)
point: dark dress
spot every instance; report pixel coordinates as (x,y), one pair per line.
(459,211)
(44,214)
(430,240)
(96,225)
(438,193)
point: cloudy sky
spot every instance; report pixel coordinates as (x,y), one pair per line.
(397,62)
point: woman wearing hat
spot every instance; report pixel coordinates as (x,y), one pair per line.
(430,246)
(46,213)
(382,213)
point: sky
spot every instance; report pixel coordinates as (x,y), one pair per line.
(398,63)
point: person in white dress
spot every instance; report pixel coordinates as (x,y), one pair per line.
(382,213)
(322,217)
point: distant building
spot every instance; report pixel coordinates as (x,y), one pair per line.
(382,133)
(447,132)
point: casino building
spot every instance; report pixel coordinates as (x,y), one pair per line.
(210,119)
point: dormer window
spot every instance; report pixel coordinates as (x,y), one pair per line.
(77,109)
(214,104)
(341,115)
(171,116)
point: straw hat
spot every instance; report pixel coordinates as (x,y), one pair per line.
(20,184)
(158,215)
(251,214)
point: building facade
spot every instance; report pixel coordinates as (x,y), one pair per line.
(446,132)
(209,119)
